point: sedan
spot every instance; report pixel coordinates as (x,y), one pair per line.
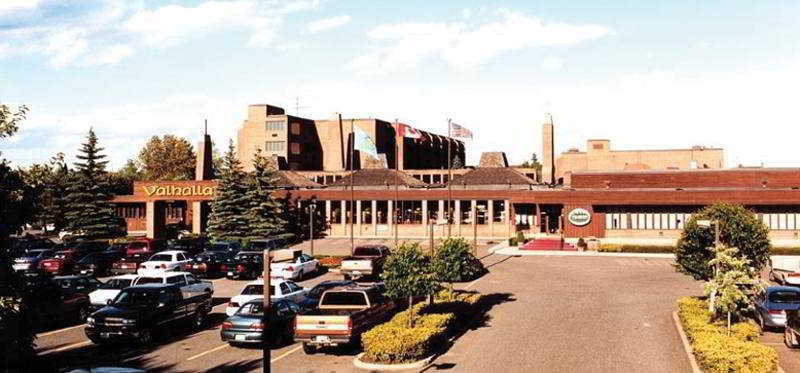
(170,260)
(246,325)
(30,260)
(771,305)
(278,289)
(77,284)
(97,264)
(208,264)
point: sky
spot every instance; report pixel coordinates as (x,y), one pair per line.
(644,74)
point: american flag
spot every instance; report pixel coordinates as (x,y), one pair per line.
(459,131)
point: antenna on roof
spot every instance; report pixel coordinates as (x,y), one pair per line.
(297,106)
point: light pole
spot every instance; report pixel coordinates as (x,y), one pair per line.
(311,209)
(266,312)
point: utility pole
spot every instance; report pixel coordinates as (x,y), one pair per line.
(449,179)
(266,312)
(352,179)
(398,138)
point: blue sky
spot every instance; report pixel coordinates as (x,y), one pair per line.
(647,75)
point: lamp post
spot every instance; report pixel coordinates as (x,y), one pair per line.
(266,312)
(311,209)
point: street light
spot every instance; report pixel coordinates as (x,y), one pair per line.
(311,208)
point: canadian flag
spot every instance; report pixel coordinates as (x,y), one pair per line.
(407,131)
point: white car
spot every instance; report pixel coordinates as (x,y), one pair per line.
(295,269)
(109,290)
(190,285)
(279,289)
(785,269)
(170,260)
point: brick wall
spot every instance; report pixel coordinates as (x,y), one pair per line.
(734,178)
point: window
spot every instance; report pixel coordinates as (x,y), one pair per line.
(191,279)
(295,128)
(295,148)
(773,221)
(285,289)
(649,221)
(609,221)
(634,221)
(790,221)
(673,221)
(623,221)
(181,257)
(274,146)
(293,287)
(177,280)
(782,221)
(276,125)
(656,221)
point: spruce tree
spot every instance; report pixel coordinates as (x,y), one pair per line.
(89,209)
(229,210)
(265,214)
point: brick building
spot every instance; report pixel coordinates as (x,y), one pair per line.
(323,144)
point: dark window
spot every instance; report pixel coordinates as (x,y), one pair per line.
(344,298)
(285,289)
(367,251)
(784,297)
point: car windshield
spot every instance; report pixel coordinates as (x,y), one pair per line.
(161,258)
(784,297)
(34,254)
(317,291)
(117,283)
(257,290)
(204,258)
(149,280)
(366,251)
(61,254)
(88,259)
(248,257)
(344,298)
(128,298)
(251,309)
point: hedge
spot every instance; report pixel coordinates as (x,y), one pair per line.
(718,352)
(396,342)
(616,248)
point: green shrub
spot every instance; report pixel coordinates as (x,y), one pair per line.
(718,352)
(512,241)
(582,243)
(454,262)
(521,238)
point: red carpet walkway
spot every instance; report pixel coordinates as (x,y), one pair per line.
(548,244)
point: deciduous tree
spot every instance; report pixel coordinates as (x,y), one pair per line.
(738,227)
(407,273)
(167,158)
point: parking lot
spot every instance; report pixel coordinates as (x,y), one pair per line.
(548,314)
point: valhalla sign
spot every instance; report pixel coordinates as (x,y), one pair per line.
(579,217)
(179,191)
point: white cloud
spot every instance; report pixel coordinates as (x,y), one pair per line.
(462,46)
(328,23)
(8,6)
(118,28)
(552,63)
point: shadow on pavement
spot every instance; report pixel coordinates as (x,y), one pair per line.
(216,301)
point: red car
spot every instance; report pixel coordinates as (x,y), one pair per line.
(127,265)
(62,262)
(144,247)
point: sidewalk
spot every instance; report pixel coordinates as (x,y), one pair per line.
(504,249)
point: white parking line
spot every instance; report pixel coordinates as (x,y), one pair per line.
(287,353)
(207,352)
(67,347)
(59,331)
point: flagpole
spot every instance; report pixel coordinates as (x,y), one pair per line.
(352,178)
(399,136)
(449,180)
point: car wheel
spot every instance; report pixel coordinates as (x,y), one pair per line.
(300,275)
(145,337)
(199,319)
(309,349)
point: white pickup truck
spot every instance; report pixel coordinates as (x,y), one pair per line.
(785,269)
(294,269)
(190,285)
(366,261)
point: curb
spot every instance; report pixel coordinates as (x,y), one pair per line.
(514,252)
(686,346)
(375,366)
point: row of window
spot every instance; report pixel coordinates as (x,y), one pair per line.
(642,221)
(279,125)
(278,146)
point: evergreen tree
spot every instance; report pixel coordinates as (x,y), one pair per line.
(229,210)
(265,214)
(457,163)
(89,210)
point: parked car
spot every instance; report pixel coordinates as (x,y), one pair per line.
(109,290)
(245,265)
(366,261)
(246,325)
(62,262)
(342,316)
(169,260)
(97,264)
(226,246)
(77,284)
(140,311)
(273,243)
(127,265)
(192,246)
(313,295)
(23,245)
(30,260)
(189,285)
(278,289)
(145,247)
(208,264)
(51,305)
(771,305)
(296,269)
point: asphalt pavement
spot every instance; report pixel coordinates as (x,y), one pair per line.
(548,314)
